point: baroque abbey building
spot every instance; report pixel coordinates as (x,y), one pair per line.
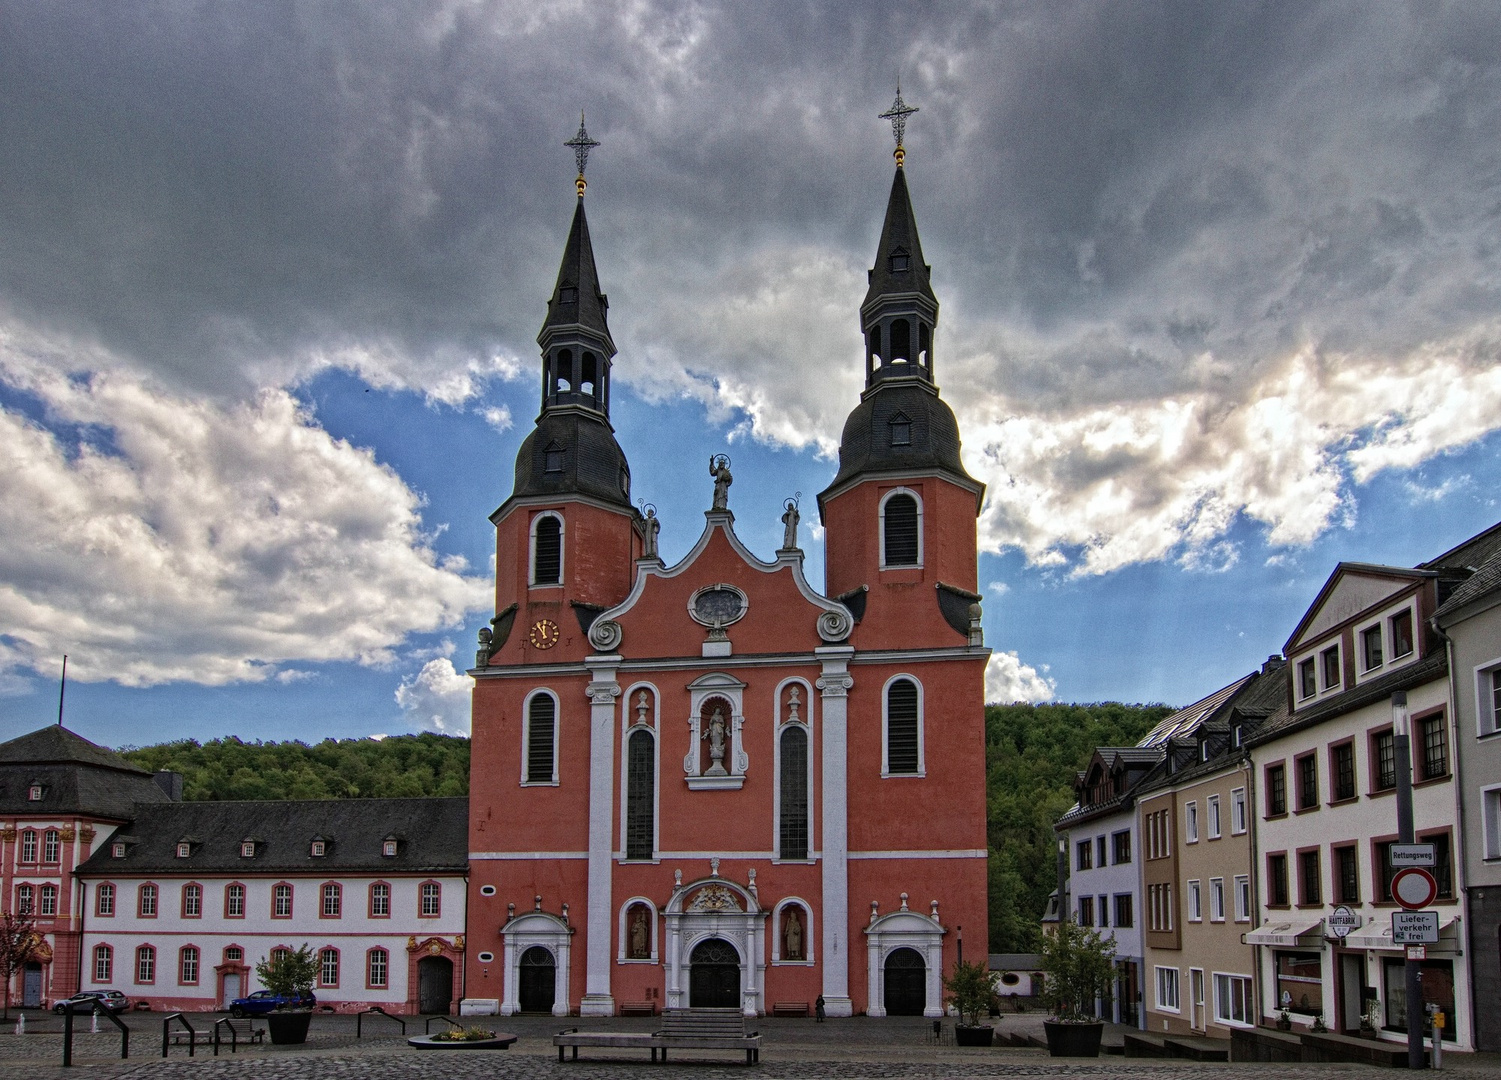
(712,783)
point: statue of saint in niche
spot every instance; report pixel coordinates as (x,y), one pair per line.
(792,936)
(640,935)
(716,736)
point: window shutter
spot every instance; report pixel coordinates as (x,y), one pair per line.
(547,555)
(901,726)
(540,720)
(639,797)
(901,531)
(794,809)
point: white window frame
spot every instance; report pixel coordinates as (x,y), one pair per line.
(526,736)
(1167,978)
(1388,638)
(922,760)
(1242,898)
(1217,899)
(1212,809)
(805,721)
(1195,900)
(1338,648)
(881,526)
(531,547)
(1360,635)
(1490,808)
(1239,819)
(1191,822)
(1221,1012)
(652,924)
(628,727)
(1487,708)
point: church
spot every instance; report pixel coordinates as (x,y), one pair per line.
(714,784)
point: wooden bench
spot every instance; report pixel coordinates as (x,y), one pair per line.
(790,1008)
(682,1029)
(638,1008)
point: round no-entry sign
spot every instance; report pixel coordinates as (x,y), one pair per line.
(1414,888)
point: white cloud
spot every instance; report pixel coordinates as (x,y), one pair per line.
(1007,679)
(437,697)
(156,537)
(497,416)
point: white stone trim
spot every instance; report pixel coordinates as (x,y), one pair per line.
(922,759)
(603,693)
(717,684)
(653,922)
(629,723)
(881,529)
(776,932)
(936,853)
(531,559)
(806,723)
(899,930)
(835,683)
(491,856)
(745,929)
(526,735)
(522,933)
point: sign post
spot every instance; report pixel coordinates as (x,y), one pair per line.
(1402,747)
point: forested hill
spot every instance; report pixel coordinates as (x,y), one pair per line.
(401,766)
(1032,753)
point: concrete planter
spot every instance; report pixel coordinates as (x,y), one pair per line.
(501,1041)
(973,1036)
(1073,1040)
(287,1028)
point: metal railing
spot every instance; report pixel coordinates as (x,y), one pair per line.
(167,1033)
(359,1020)
(95,1007)
(427,1028)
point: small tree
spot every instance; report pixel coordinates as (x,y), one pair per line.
(1079,965)
(970,989)
(290,975)
(19,945)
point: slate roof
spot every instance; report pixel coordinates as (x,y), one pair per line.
(1470,554)
(899,231)
(432,835)
(1018,961)
(577,270)
(1485,580)
(593,463)
(77,777)
(1185,720)
(865,444)
(1433,666)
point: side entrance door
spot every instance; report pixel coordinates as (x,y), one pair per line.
(906,983)
(538,977)
(435,984)
(1196,999)
(31,987)
(231,989)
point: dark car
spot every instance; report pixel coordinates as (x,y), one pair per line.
(263,1001)
(112,1000)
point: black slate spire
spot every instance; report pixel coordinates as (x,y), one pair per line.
(577,302)
(900,311)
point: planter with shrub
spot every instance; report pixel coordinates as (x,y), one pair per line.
(289,975)
(970,989)
(1079,965)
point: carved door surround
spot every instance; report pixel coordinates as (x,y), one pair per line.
(898,930)
(715,907)
(535,927)
(701,691)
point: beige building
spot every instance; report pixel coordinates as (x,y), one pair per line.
(1198,898)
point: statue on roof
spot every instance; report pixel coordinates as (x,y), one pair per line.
(719,469)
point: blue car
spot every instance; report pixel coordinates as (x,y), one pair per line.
(263,1001)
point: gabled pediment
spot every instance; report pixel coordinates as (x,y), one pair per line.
(1350,590)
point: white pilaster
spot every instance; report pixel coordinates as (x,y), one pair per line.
(835,684)
(603,690)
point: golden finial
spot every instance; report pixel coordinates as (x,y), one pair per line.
(581,144)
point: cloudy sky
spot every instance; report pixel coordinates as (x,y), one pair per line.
(1220,286)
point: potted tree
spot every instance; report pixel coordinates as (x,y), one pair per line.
(1079,965)
(290,976)
(970,989)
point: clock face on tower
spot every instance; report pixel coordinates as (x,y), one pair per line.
(543,634)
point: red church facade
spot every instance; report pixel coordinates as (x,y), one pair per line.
(711,783)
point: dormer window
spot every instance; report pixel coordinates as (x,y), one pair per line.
(184,849)
(247,849)
(1235,736)
(568,294)
(901,430)
(901,261)
(1204,751)
(388,847)
(552,458)
(318,849)
(34,793)
(1401,627)
(117,850)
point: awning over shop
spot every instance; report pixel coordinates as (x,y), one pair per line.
(1377,934)
(1290,934)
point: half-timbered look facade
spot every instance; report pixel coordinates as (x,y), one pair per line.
(181,902)
(60,796)
(1326,780)
(711,783)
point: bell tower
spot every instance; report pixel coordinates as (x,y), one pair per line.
(566,539)
(900,546)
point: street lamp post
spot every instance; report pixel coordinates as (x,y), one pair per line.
(1412,973)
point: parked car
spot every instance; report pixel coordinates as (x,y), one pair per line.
(263,1001)
(112,1000)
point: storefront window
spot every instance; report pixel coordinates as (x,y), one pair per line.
(1300,983)
(1438,989)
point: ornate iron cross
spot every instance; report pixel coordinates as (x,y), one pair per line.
(582,144)
(898,114)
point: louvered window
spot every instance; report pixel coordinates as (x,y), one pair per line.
(900,527)
(547,552)
(639,796)
(541,721)
(901,727)
(794,808)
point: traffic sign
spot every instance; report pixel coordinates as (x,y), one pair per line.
(1342,921)
(1414,888)
(1412,855)
(1417,952)
(1414,928)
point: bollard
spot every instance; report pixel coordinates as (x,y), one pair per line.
(20,1023)
(94,1022)
(1438,1038)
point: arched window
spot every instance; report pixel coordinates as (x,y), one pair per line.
(564,370)
(547,550)
(874,346)
(640,795)
(901,340)
(234,901)
(541,742)
(903,745)
(104,963)
(377,968)
(104,900)
(25,900)
(328,967)
(192,901)
(187,965)
(590,376)
(901,530)
(146,902)
(333,900)
(28,846)
(793,823)
(145,964)
(380,900)
(49,900)
(51,846)
(924,344)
